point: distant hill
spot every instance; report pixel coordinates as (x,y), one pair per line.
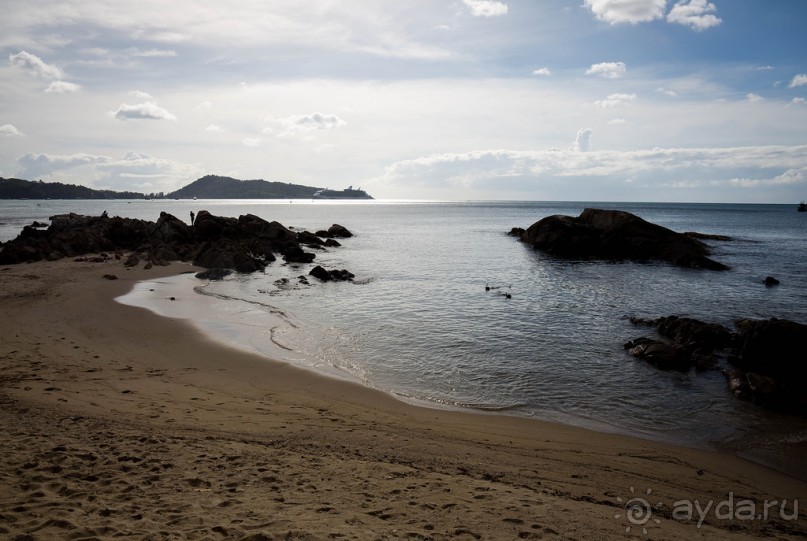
(216,187)
(207,187)
(15,188)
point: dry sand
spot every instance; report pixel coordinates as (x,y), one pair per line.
(119,423)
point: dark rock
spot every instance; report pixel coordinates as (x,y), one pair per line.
(329,275)
(247,243)
(693,333)
(517,232)
(331,243)
(36,224)
(763,388)
(172,230)
(661,354)
(320,273)
(304,237)
(768,356)
(775,348)
(110,277)
(132,261)
(697,340)
(770,281)
(616,235)
(737,384)
(295,254)
(706,236)
(335,230)
(214,274)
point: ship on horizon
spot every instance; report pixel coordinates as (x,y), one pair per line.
(347,193)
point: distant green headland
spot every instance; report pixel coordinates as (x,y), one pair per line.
(207,187)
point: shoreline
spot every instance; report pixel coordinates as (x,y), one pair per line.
(84,376)
(233,324)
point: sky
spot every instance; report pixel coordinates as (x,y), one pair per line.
(554,100)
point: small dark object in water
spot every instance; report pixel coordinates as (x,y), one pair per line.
(770,281)
(172,298)
(110,277)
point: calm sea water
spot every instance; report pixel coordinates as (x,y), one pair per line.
(418,322)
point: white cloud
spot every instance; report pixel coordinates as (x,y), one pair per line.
(615,100)
(142,111)
(609,70)
(10,130)
(486,8)
(318,121)
(140,95)
(798,80)
(671,168)
(37,165)
(582,143)
(301,124)
(696,14)
(62,87)
(753,98)
(627,11)
(214,128)
(252,141)
(797,101)
(203,106)
(542,72)
(150,53)
(132,171)
(617,121)
(667,92)
(143,173)
(35,65)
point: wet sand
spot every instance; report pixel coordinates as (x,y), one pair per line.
(119,422)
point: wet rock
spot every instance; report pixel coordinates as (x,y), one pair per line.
(661,354)
(335,230)
(616,235)
(331,275)
(770,281)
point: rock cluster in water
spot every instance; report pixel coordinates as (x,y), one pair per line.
(246,244)
(617,235)
(765,357)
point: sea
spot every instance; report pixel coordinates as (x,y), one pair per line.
(448,311)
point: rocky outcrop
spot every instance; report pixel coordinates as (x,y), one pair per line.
(766,357)
(331,275)
(246,244)
(615,235)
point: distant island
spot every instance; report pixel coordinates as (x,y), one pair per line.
(207,187)
(15,188)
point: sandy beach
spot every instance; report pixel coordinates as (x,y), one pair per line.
(121,423)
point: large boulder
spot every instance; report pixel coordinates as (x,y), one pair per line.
(616,235)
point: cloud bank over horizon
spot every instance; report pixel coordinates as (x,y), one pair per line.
(461,99)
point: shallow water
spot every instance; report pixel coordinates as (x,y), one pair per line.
(419,323)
